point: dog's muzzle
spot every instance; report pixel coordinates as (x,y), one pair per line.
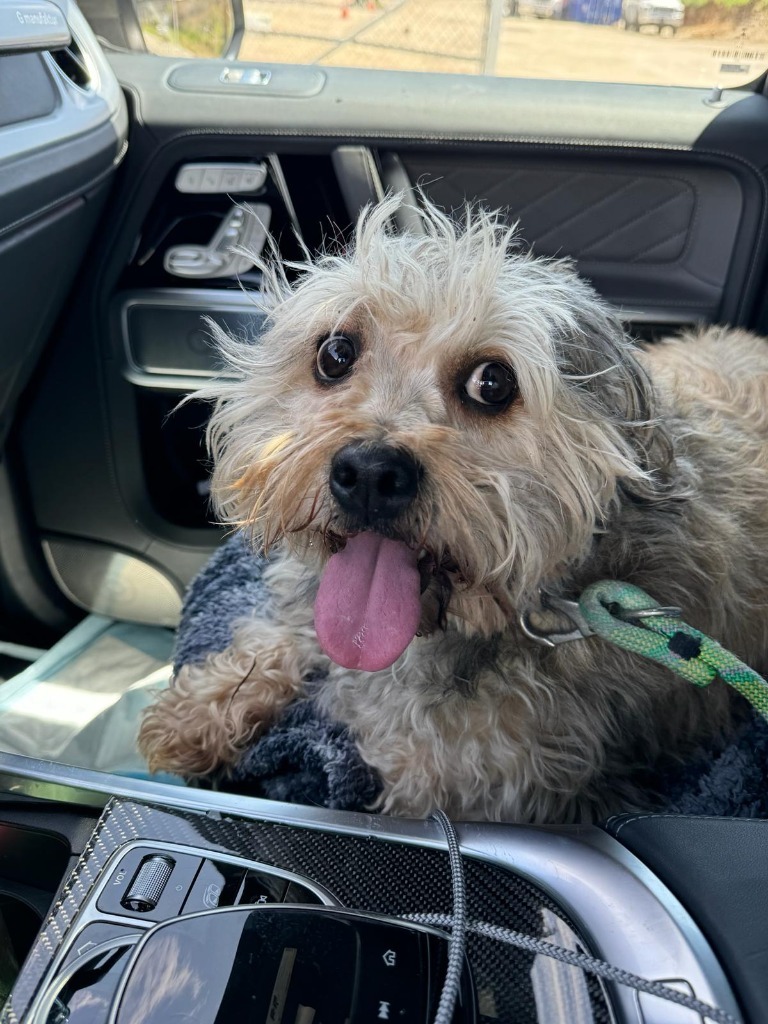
(374,483)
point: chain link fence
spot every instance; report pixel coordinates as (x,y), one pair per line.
(406,35)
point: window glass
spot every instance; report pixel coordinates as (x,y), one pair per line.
(705,43)
(185,28)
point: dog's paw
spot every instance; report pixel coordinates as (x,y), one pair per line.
(213,710)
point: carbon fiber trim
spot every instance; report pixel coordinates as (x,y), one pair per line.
(365,873)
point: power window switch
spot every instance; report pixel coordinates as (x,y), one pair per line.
(190,178)
(230,180)
(212,179)
(252,178)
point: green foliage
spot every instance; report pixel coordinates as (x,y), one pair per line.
(194,27)
(728,5)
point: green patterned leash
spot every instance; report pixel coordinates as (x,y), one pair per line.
(611,609)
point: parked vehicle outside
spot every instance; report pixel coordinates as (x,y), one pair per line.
(595,12)
(666,16)
(557,9)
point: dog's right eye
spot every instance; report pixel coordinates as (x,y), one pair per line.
(335,357)
(492,386)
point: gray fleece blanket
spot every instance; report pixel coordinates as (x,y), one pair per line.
(307,759)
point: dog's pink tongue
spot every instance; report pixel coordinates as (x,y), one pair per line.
(368,605)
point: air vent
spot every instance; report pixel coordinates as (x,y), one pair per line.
(72,64)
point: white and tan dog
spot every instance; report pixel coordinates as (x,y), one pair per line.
(435,430)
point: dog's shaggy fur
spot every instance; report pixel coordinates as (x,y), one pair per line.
(646,465)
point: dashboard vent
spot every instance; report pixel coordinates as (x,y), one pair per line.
(72,64)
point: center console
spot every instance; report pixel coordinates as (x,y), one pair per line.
(185,898)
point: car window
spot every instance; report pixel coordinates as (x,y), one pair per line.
(703,43)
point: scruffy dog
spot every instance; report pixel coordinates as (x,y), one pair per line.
(436,430)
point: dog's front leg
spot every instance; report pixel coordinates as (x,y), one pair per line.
(216,708)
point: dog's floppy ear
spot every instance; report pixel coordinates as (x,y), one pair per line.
(598,361)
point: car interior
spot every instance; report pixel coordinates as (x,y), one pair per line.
(129,182)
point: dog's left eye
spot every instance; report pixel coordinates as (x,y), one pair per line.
(335,357)
(492,384)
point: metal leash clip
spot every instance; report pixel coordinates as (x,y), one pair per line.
(553,638)
(581,628)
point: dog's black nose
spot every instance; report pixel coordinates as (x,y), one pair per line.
(374,481)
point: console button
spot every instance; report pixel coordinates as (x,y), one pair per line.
(148,884)
(394,976)
(260,888)
(225,885)
(216,885)
(174,892)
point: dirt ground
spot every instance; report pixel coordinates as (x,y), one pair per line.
(449,35)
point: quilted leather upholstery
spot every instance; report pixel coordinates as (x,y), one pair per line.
(584,214)
(650,236)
